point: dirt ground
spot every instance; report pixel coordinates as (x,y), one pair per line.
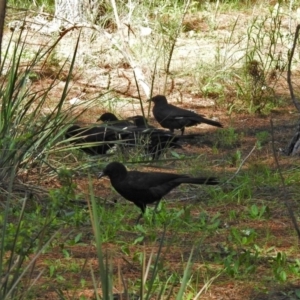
(280,225)
(94,73)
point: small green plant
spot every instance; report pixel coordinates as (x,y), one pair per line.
(242,237)
(240,263)
(262,138)
(294,268)
(235,158)
(257,212)
(227,138)
(279,267)
(207,223)
(232,215)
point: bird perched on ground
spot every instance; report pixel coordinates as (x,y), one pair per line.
(111,119)
(140,133)
(121,127)
(137,132)
(143,188)
(140,121)
(92,140)
(155,140)
(173,117)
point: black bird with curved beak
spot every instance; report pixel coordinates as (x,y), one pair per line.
(143,188)
(172,117)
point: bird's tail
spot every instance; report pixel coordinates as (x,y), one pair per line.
(200,180)
(211,122)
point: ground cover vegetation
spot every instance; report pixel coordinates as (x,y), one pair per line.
(65,234)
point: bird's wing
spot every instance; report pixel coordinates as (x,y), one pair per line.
(143,180)
(150,186)
(178,113)
(96,134)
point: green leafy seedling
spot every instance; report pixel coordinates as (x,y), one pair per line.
(257,212)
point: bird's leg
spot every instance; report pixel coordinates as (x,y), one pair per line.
(182,130)
(138,219)
(142,206)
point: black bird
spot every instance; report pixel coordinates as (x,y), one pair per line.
(140,121)
(140,133)
(112,120)
(173,117)
(154,140)
(122,128)
(92,140)
(143,188)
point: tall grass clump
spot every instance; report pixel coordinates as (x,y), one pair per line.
(249,62)
(29,128)
(263,63)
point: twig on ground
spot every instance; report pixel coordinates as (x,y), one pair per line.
(241,164)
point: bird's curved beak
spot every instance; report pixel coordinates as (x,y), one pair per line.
(149,100)
(101,174)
